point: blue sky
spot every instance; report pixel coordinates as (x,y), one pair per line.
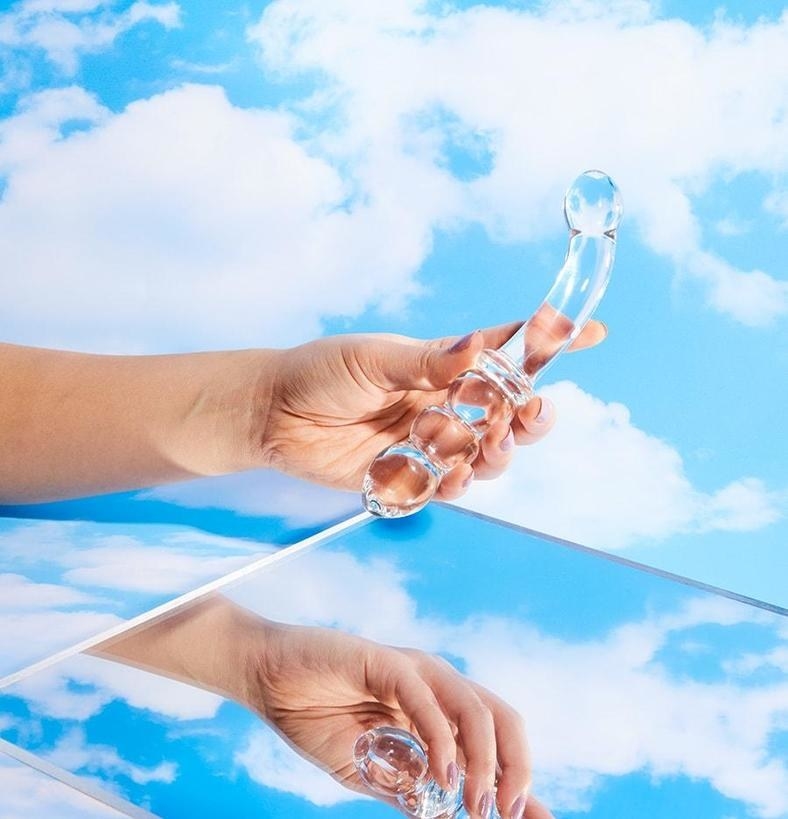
(178,176)
(640,694)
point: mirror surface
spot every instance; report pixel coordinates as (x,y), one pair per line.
(642,695)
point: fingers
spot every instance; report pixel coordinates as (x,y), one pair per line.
(494,337)
(536,810)
(399,363)
(592,334)
(420,705)
(490,735)
(514,759)
(404,364)
(534,420)
(456,483)
(476,734)
(496,452)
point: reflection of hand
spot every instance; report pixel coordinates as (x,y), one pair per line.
(321,689)
(334,404)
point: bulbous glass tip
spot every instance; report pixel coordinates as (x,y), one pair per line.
(593,204)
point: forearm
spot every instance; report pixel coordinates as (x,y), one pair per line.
(214,645)
(74,424)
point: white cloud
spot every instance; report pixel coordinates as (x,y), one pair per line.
(156,561)
(24,542)
(335,588)
(753,297)
(265,493)
(37,124)
(631,714)
(29,636)
(626,11)
(684,110)
(184,193)
(138,567)
(72,752)
(18,593)
(271,762)
(599,480)
(66,29)
(81,686)
(776,660)
(28,793)
(731,226)
(741,506)
(33,622)
(272,221)
(777,203)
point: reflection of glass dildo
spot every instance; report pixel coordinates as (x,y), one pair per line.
(393,763)
(403,478)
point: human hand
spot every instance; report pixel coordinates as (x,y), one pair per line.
(332,405)
(321,689)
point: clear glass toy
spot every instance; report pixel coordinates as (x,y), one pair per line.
(403,478)
(393,763)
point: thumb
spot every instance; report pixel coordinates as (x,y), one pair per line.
(428,366)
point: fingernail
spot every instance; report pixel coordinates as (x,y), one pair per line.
(463,343)
(508,441)
(486,804)
(546,411)
(453,775)
(518,808)
(604,328)
(468,481)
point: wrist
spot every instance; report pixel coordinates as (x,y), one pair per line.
(259,654)
(224,429)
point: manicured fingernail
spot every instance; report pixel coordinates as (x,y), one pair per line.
(508,441)
(468,481)
(486,804)
(604,329)
(453,775)
(518,808)
(463,343)
(546,411)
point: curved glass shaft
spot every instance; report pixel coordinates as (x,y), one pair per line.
(568,306)
(404,477)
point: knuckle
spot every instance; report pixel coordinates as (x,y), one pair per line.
(517,772)
(415,658)
(477,713)
(515,721)
(425,360)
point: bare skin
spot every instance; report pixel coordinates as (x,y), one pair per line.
(75,424)
(321,689)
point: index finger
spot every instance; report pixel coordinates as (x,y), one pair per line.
(592,334)
(494,337)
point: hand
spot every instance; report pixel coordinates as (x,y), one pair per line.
(335,403)
(321,689)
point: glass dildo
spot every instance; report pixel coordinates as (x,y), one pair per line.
(403,478)
(394,764)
